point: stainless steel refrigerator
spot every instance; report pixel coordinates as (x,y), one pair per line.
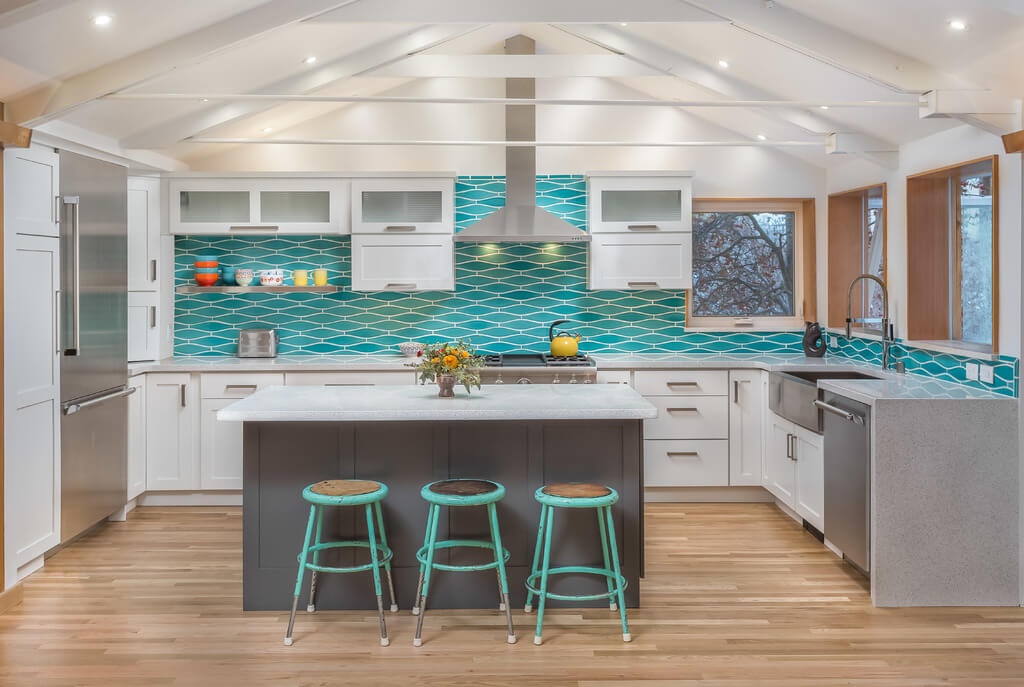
(93,340)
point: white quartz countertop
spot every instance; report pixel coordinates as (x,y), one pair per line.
(416,402)
(282,363)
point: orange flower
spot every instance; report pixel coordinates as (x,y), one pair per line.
(434,360)
(450,361)
(465,354)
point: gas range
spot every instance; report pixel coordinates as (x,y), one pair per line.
(537,368)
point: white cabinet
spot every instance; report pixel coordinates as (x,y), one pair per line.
(693,463)
(779,468)
(171,423)
(748,390)
(32,381)
(808,449)
(613,377)
(31,186)
(136,437)
(221,447)
(403,263)
(641,232)
(403,206)
(143,234)
(382,378)
(689,417)
(143,332)
(258,206)
(682,382)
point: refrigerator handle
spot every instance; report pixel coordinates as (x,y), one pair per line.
(76,302)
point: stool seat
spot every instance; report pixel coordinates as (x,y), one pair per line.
(576,495)
(344,492)
(463,492)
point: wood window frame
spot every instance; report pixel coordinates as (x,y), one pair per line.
(805,263)
(839,280)
(923,312)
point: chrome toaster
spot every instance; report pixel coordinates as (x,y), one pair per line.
(258,343)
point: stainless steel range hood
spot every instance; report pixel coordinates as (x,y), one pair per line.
(521,220)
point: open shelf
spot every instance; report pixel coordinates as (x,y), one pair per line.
(195,288)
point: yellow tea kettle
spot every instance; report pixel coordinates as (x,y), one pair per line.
(563,343)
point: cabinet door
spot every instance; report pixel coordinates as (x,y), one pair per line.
(143,339)
(220,452)
(170,427)
(642,261)
(644,204)
(779,466)
(403,263)
(31,186)
(403,206)
(748,390)
(143,234)
(32,397)
(303,206)
(137,437)
(810,476)
(212,206)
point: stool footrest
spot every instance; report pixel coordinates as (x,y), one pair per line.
(620,583)
(421,555)
(385,556)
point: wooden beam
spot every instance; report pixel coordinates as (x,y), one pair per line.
(14,136)
(1014,143)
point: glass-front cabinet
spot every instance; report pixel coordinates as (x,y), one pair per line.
(638,204)
(259,206)
(403,206)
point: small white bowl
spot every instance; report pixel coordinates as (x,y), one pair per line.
(409,349)
(271,277)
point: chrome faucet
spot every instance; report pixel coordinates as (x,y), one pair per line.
(887,334)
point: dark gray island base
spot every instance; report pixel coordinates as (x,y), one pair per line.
(283,457)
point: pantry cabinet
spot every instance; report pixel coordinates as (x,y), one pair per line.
(794,469)
(171,422)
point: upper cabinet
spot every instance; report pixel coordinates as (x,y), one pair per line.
(143,233)
(403,206)
(642,232)
(259,206)
(32,180)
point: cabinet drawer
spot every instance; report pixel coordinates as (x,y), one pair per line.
(349,378)
(234,385)
(686,463)
(682,382)
(613,377)
(693,417)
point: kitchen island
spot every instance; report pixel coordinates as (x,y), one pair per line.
(404,436)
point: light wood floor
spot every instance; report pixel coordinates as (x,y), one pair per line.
(735,594)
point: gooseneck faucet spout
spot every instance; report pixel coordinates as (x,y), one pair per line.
(887,336)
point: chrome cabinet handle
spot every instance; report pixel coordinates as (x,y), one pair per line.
(152,317)
(642,227)
(845,414)
(182,395)
(671,384)
(253,227)
(228,387)
(152,270)
(400,227)
(673,454)
(632,284)
(789,446)
(736,389)
(401,286)
(682,410)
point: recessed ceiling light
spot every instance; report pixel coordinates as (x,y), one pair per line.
(310,60)
(723,64)
(823,107)
(267,129)
(204,100)
(762,137)
(622,23)
(958,24)
(102,20)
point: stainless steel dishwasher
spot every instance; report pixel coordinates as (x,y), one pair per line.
(847,425)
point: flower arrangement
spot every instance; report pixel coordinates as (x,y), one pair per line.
(448,363)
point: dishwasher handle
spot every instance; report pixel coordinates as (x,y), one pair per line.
(845,414)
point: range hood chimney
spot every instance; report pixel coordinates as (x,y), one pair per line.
(521,220)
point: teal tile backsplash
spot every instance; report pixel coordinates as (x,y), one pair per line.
(505,296)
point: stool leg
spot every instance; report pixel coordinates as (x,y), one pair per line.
(536,555)
(499,557)
(604,549)
(384,641)
(302,570)
(387,563)
(429,566)
(544,576)
(311,607)
(615,566)
(426,540)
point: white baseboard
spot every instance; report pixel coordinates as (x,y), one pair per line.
(789,511)
(191,498)
(706,495)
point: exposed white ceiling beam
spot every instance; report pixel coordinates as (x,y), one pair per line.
(56,99)
(519,11)
(985,110)
(454,100)
(507,144)
(829,44)
(168,133)
(690,70)
(513,66)
(76,139)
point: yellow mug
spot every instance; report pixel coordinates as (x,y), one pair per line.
(300,277)
(320,277)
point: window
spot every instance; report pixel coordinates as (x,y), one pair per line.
(856,245)
(952,234)
(748,267)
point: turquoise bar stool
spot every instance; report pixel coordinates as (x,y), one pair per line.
(574,495)
(345,492)
(461,492)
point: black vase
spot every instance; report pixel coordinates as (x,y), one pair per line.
(814,341)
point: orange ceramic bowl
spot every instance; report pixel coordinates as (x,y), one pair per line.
(204,279)
(206,263)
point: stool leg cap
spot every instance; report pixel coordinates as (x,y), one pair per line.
(310,608)
(538,641)
(417,642)
(627,637)
(511,639)
(528,608)
(501,607)
(288,641)
(415,610)
(613,607)
(394,608)
(384,641)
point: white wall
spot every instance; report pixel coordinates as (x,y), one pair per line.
(950,147)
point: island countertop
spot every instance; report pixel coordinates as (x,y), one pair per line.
(421,403)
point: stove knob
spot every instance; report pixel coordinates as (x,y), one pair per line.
(524,380)
(499,380)
(556,380)
(588,381)
(573,380)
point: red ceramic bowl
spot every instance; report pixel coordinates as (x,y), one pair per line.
(207,263)
(206,279)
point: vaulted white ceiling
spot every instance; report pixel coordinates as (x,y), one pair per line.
(57,67)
